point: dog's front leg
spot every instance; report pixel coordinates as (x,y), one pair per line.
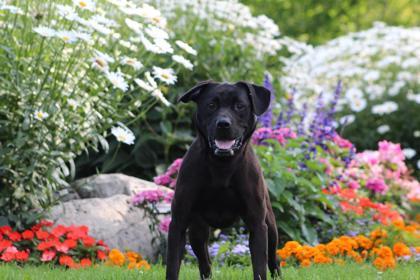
(258,248)
(176,245)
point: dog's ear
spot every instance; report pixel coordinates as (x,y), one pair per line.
(260,97)
(192,93)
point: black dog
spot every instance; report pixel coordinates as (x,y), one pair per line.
(221,180)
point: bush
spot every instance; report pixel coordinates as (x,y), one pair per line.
(68,74)
(379,69)
(232,45)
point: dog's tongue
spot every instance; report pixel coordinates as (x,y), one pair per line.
(224,144)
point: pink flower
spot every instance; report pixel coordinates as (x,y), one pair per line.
(163,179)
(47,256)
(151,196)
(376,185)
(164,224)
(353,185)
(341,142)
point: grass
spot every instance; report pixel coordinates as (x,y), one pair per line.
(409,271)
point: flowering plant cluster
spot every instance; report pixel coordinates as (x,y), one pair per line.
(168,178)
(68,246)
(156,206)
(227,248)
(80,69)
(379,68)
(129,259)
(371,248)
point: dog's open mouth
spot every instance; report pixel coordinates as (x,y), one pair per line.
(225,148)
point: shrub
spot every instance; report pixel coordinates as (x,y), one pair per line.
(232,45)
(379,69)
(68,74)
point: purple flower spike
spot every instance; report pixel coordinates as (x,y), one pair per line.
(266,118)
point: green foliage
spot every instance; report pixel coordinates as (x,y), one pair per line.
(317,21)
(296,198)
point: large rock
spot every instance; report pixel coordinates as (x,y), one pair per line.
(106,209)
(106,185)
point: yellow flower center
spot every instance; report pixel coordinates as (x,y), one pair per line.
(165,76)
(66,38)
(100,62)
(82,4)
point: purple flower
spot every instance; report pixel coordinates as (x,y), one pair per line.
(240,249)
(376,185)
(266,118)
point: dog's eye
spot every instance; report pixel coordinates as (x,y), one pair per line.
(211,106)
(239,106)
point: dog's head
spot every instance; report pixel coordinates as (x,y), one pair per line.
(226,113)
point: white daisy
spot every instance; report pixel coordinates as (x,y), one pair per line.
(45,31)
(40,115)
(144,85)
(159,95)
(357,105)
(150,79)
(383,129)
(85,4)
(137,65)
(183,61)
(163,46)
(67,36)
(157,33)
(416,133)
(409,153)
(165,75)
(67,12)
(123,135)
(186,47)
(134,25)
(11,9)
(347,119)
(117,80)
(72,103)
(101,61)
(354,93)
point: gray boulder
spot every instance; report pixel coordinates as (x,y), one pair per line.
(105,207)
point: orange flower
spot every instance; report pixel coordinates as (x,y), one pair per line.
(116,257)
(400,249)
(384,263)
(133,256)
(283,253)
(363,242)
(143,264)
(321,258)
(305,263)
(378,233)
(384,252)
(282,263)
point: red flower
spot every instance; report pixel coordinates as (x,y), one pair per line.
(5,229)
(22,256)
(85,262)
(9,254)
(45,245)
(59,230)
(42,235)
(62,247)
(45,223)
(27,235)
(47,256)
(67,261)
(77,232)
(15,236)
(100,255)
(88,241)
(5,244)
(70,243)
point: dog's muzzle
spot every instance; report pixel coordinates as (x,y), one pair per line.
(225,148)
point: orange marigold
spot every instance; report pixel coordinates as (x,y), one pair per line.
(143,264)
(364,242)
(384,252)
(378,233)
(282,263)
(305,263)
(116,257)
(400,249)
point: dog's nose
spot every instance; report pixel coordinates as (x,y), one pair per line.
(223,123)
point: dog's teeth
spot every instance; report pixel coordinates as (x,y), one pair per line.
(224,144)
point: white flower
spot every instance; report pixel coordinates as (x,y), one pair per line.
(383,129)
(372,75)
(144,85)
(117,80)
(165,75)
(67,36)
(40,115)
(45,31)
(134,25)
(157,33)
(101,61)
(186,47)
(418,164)
(11,9)
(159,95)
(72,103)
(85,4)
(67,12)
(347,119)
(163,46)
(416,133)
(357,105)
(183,61)
(123,135)
(132,62)
(409,153)
(385,108)
(354,93)
(414,97)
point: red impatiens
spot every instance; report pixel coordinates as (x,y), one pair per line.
(69,246)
